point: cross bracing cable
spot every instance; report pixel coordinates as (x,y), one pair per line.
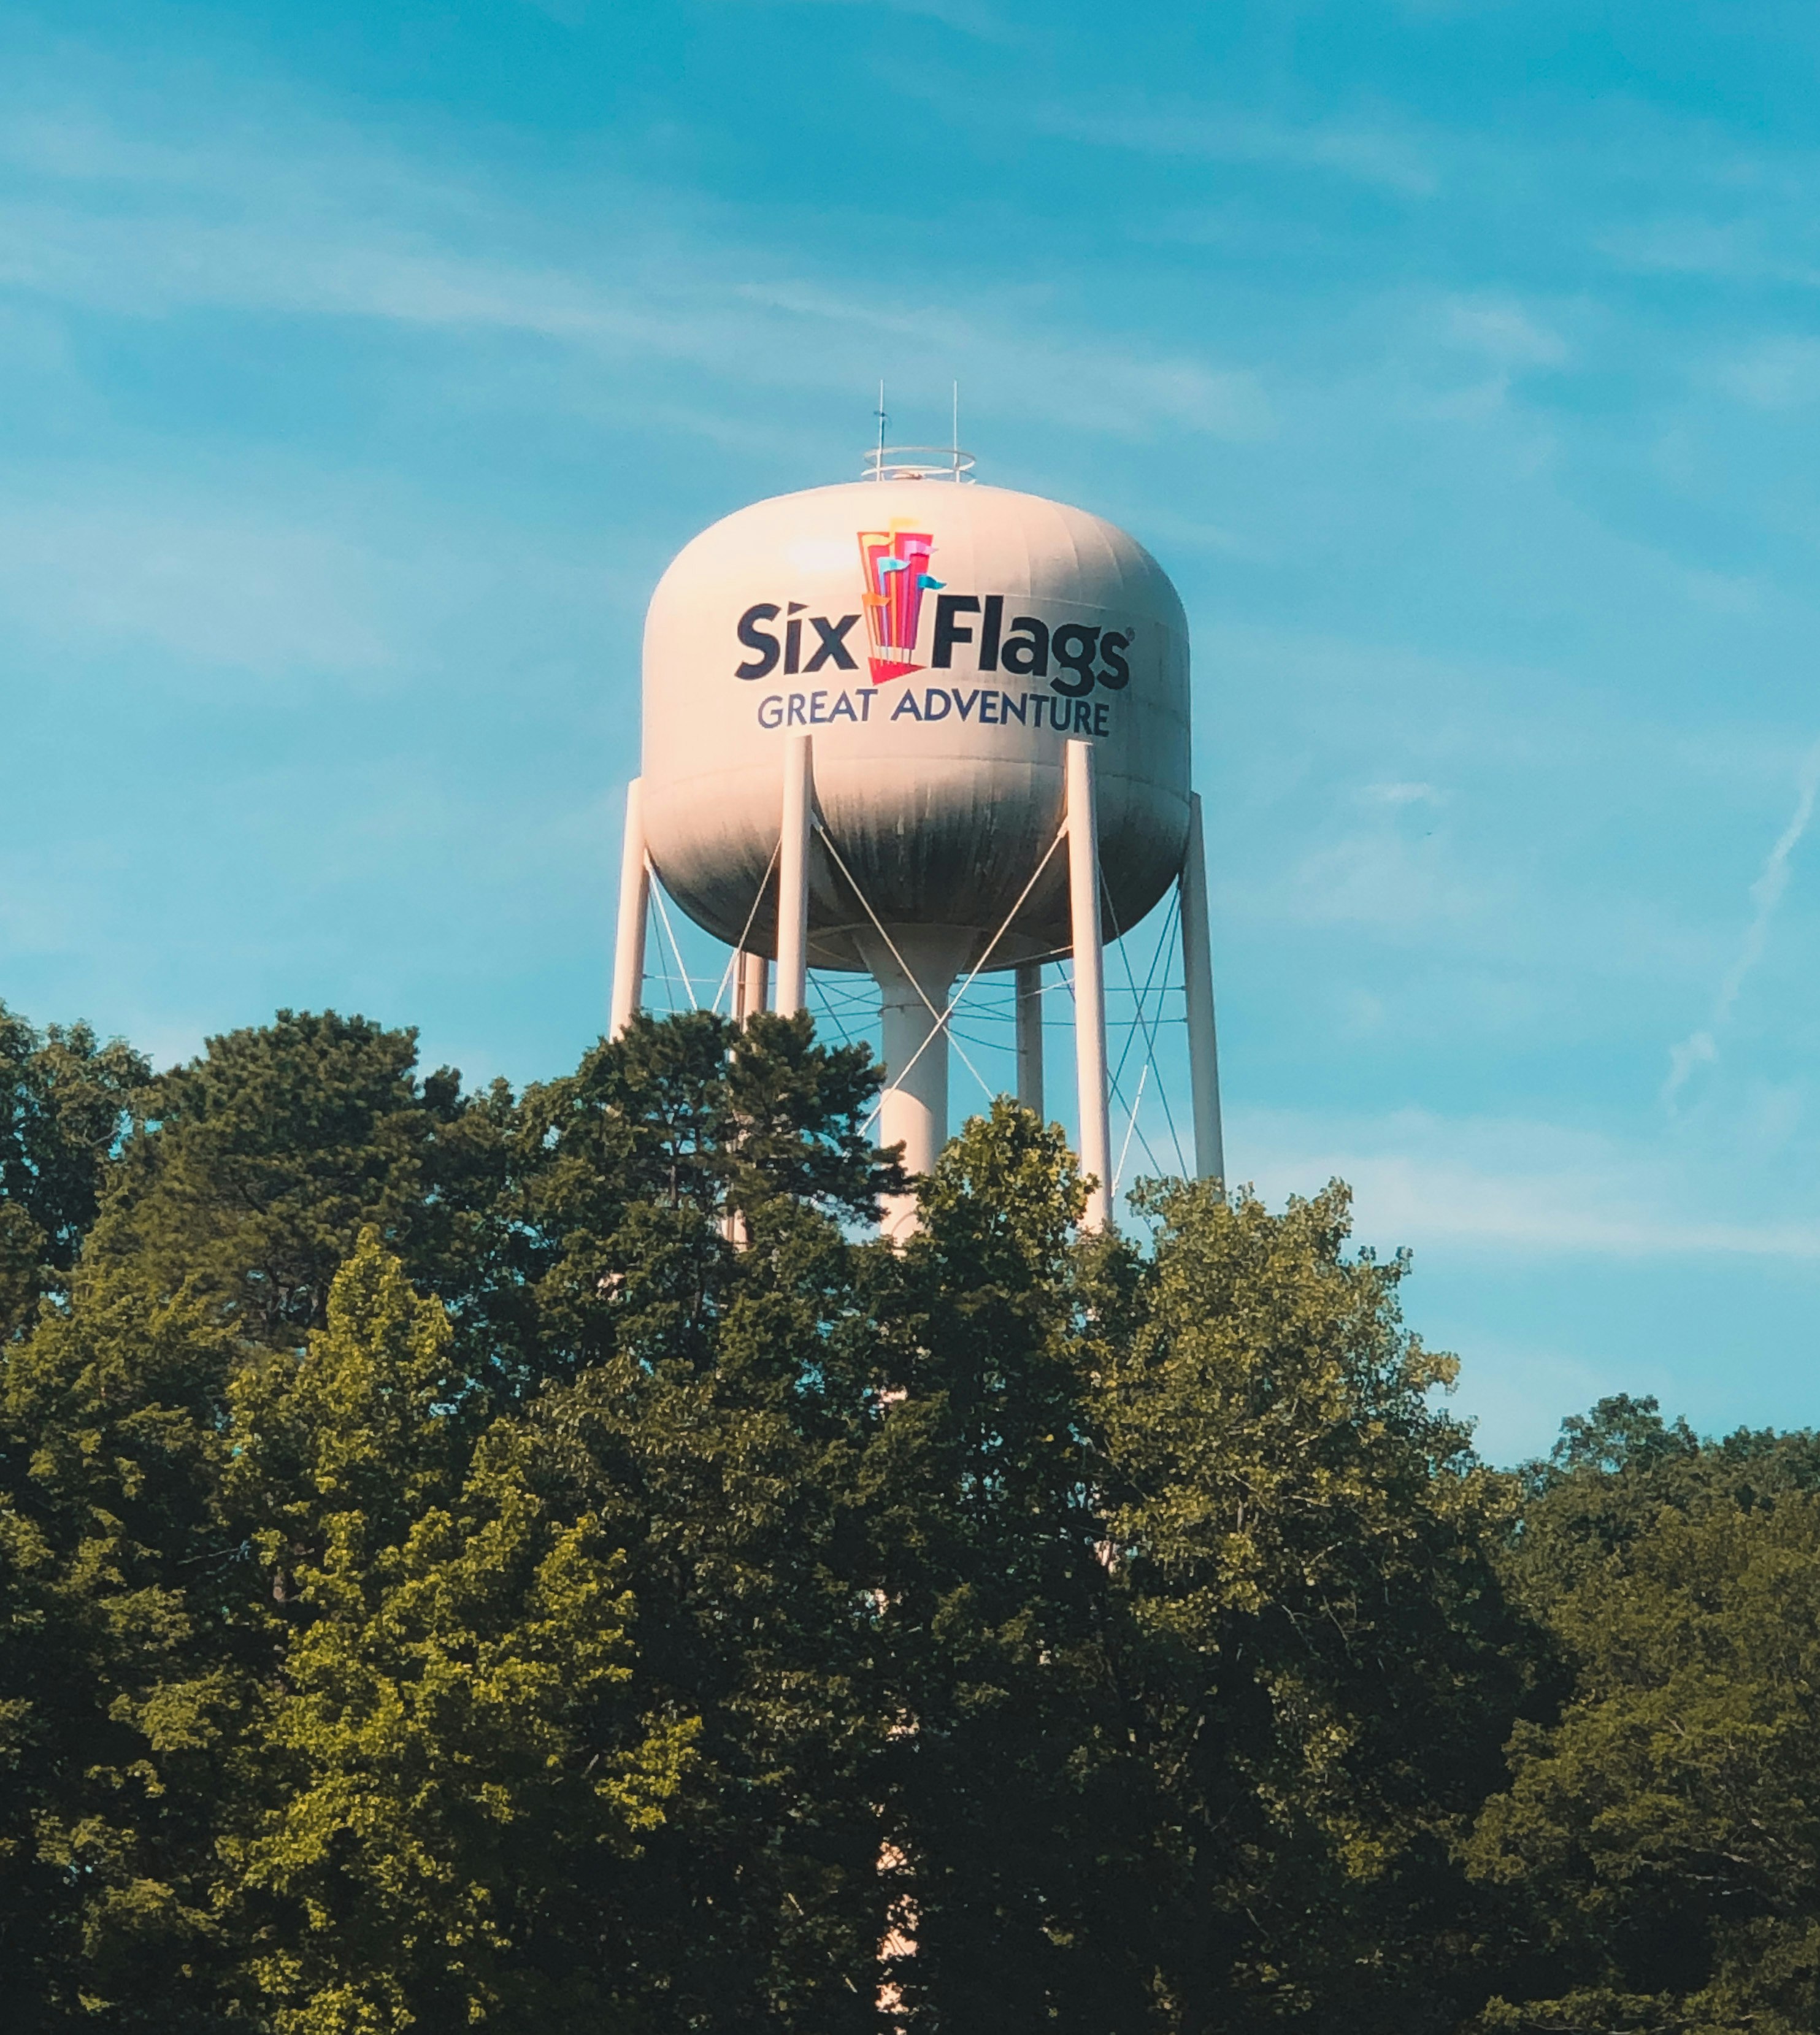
(662,971)
(740,944)
(834,1017)
(1149,1036)
(1137,1103)
(1132,1025)
(664,913)
(1171,923)
(1118,1097)
(942,1017)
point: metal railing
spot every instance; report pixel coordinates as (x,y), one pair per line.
(918,463)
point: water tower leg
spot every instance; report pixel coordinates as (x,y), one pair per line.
(1197,972)
(1029,979)
(635,906)
(1089,983)
(751,985)
(793,877)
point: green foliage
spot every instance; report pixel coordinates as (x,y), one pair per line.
(65,1102)
(1658,1851)
(264,1160)
(534,1563)
(1305,1539)
(716,1417)
(448,1741)
(135,1639)
(1007,1765)
(317,1676)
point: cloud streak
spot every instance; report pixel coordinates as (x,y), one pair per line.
(1701,1048)
(1364,155)
(130,228)
(1499,1186)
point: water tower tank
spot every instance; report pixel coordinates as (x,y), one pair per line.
(941,644)
(922,660)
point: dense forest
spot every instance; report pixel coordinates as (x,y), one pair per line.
(532,1561)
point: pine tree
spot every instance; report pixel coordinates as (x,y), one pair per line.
(717,1415)
(1010,1764)
(66,1101)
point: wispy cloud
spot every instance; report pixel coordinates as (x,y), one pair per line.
(135,229)
(1370,155)
(1734,250)
(1701,1048)
(1403,795)
(1505,332)
(1776,374)
(256,597)
(967,19)
(1507,1185)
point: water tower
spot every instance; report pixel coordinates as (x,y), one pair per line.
(923,729)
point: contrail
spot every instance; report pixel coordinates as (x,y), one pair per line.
(1699,1047)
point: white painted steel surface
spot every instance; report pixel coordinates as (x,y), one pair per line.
(635,908)
(1094,1144)
(915,982)
(1029,1007)
(796,817)
(1197,976)
(941,784)
(752,986)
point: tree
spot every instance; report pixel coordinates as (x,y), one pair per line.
(717,1412)
(132,1644)
(1010,1764)
(1657,1852)
(448,1744)
(263,1159)
(66,1101)
(538,1561)
(1325,1678)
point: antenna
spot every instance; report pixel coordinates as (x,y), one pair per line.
(946,462)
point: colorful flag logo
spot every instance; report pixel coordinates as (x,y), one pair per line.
(895,565)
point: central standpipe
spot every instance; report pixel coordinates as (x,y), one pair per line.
(914,984)
(751,985)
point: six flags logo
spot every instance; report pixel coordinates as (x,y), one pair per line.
(894,566)
(895,563)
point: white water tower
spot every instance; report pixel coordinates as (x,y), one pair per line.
(923,729)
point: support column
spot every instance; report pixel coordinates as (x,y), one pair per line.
(1089,983)
(913,1108)
(1197,973)
(1028,977)
(751,985)
(752,988)
(793,877)
(635,908)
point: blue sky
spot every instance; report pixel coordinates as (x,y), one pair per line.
(361,367)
